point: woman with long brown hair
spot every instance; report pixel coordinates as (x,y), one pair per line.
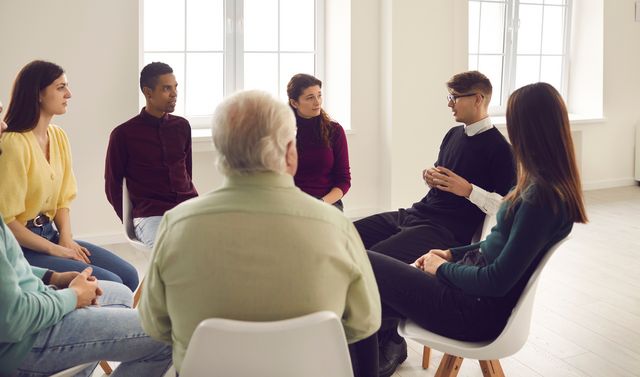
(468,292)
(38,184)
(323,155)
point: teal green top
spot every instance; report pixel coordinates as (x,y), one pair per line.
(511,250)
(257,249)
(27,306)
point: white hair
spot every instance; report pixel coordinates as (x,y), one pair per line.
(251,131)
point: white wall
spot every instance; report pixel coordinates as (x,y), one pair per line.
(402,53)
(96,43)
(421,52)
(608,147)
(586,73)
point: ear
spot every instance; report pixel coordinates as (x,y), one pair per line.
(291,158)
(146,91)
(293,103)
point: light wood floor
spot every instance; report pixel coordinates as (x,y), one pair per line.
(587,313)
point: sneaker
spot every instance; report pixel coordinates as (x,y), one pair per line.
(391,355)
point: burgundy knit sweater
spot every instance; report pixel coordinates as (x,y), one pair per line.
(321,168)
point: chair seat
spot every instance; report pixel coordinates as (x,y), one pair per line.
(467,350)
(511,339)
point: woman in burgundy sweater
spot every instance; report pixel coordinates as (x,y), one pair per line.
(323,156)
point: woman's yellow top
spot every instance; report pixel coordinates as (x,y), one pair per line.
(29,184)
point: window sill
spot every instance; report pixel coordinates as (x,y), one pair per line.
(201,139)
(575,120)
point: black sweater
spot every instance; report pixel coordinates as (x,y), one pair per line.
(485,160)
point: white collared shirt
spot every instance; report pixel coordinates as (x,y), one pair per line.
(478,127)
(488,202)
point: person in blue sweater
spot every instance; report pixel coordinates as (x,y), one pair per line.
(51,321)
(468,292)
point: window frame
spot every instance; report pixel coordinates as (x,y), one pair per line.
(510,48)
(233,52)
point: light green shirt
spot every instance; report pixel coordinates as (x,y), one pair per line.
(257,249)
(27,306)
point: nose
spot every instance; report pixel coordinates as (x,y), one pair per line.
(68,95)
(3,126)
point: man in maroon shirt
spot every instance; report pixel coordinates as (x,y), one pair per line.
(152,151)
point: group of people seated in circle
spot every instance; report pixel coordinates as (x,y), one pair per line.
(272,242)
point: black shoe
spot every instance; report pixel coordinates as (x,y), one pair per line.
(391,355)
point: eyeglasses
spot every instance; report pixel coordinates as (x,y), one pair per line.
(454,97)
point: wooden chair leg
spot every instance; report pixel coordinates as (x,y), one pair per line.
(491,368)
(426,357)
(137,294)
(449,366)
(106,367)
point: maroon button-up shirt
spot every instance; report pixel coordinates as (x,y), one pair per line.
(154,155)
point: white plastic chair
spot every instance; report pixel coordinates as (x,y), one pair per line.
(510,340)
(485,228)
(127,220)
(129,231)
(72,371)
(313,345)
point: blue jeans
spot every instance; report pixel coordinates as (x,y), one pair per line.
(146,229)
(110,331)
(106,265)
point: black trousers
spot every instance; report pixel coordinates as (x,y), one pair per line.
(409,293)
(403,236)
(364,357)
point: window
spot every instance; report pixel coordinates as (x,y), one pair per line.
(518,42)
(217,47)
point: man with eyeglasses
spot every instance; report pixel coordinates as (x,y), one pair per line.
(474,169)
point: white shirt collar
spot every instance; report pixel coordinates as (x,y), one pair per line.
(478,127)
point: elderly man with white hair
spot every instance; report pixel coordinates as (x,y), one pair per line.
(258,248)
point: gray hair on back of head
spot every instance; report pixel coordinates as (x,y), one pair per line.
(251,131)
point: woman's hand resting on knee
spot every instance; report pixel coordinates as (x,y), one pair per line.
(430,262)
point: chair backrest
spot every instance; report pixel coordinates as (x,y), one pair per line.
(516,332)
(313,345)
(484,228)
(127,219)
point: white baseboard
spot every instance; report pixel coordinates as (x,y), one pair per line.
(104,239)
(111,238)
(358,213)
(608,183)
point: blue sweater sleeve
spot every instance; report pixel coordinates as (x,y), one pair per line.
(26,305)
(534,229)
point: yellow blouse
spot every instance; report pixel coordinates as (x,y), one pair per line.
(29,184)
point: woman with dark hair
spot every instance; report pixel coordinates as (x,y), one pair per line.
(323,155)
(38,184)
(468,292)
